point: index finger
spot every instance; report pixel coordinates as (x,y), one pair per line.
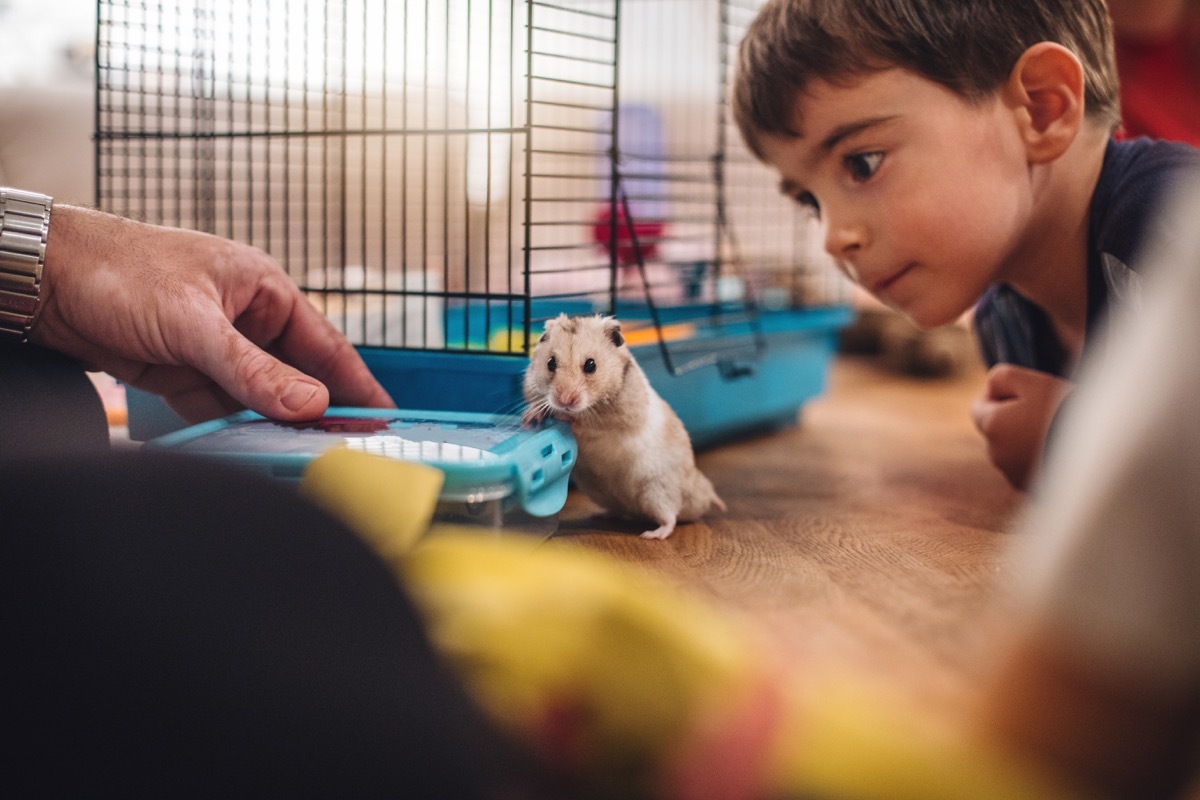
(313,345)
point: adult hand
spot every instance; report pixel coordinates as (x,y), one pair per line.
(210,324)
(1014,415)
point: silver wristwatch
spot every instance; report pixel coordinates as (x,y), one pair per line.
(24,225)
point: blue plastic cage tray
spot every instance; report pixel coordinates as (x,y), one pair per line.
(757,373)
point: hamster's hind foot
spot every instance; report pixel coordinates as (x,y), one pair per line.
(662,531)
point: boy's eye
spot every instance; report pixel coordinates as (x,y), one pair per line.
(552,364)
(863,166)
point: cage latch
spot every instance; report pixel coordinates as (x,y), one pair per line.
(731,370)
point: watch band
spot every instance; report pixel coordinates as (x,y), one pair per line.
(24,225)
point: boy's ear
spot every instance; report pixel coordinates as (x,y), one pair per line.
(1045,89)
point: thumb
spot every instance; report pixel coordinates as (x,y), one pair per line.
(981,411)
(263,383)
(1003,382)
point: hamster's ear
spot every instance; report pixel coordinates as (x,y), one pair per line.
(612,329)
(1045,90)
(548,326)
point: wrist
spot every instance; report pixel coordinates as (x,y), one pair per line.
(24,227)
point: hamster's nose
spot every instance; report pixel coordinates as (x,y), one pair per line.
(568,399)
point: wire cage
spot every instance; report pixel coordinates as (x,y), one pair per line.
(442,177)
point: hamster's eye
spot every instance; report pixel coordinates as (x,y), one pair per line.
(552,364)
(589,366)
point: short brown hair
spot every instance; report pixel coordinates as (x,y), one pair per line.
(968,46)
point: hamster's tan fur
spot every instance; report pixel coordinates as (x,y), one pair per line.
(635,457)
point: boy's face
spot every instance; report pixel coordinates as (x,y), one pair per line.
(924,198)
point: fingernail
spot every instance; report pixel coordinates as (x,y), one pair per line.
(297,396)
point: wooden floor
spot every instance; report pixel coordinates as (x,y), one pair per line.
(867,537)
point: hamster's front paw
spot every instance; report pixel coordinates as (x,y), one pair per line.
(533,417)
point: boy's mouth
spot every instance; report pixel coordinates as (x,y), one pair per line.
(883,285)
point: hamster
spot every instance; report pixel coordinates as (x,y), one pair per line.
(635,457)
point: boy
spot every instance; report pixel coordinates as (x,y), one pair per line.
(960,155)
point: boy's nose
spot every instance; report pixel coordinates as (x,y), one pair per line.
(843,240)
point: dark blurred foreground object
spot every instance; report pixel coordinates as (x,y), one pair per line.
(47,404)
(175,628)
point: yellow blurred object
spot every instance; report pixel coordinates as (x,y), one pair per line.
(605,670)
(635,688)
(608,672)
(386,501)
(858,740)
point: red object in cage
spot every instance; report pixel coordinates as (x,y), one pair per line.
(648,234)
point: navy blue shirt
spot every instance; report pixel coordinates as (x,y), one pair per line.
(1124,215)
